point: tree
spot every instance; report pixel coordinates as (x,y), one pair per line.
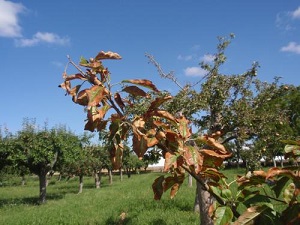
(99,159)
(6,143)
(152,156)
(131,162)
(39,149)
(152,125)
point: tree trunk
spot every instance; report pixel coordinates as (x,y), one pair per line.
(97,179)
(121,174)
(128,172)
(205,201)
(281,161)
(80,184)
(43,186)
(197,203)
(190,181)
(59,177)
(110,176)
(274,162)
(23,180)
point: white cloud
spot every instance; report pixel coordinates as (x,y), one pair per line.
(296,14)
(185,58)
(9,21)
(57,64)
(42,37)
(208,58)
(195,72)
(291,47)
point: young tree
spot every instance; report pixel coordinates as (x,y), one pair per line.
(39,149)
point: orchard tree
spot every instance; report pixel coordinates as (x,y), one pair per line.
(99,160)
(152,156)
(39,149)
(6,147)
(131,162)
(152,125)
(232,105)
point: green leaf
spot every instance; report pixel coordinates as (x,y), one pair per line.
(294,149)
(256,199)
(290,142)
(83,61)
(226,193)
(289,192)
(216,191)
(291,213)
(223,215)
(279,185)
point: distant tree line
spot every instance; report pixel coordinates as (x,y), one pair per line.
(43,151)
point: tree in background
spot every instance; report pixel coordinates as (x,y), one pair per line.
(152,156)
(39,149)
(6,150)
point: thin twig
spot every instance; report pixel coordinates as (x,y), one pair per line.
(78,68)
(161,72)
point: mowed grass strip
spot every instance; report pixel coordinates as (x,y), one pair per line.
(127,202)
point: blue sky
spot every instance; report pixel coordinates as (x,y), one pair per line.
(36,37)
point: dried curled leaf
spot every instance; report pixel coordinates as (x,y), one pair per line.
(107,55)
(142,82)
(135,91)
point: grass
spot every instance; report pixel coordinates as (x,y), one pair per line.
(133,197)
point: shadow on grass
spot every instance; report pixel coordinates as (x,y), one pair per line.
(28,200)
(113,221)
(158,221)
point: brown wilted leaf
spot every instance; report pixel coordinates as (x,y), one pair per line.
(157,187)
(141,142)
(173,141)
(96,124)
(116,153)
(119,101)
(216,145)
(75,76)
(193,158)
(74,90)
(138,123)
(212,158)
(161,124)
(273,172)
(94,80)
(174,190)
(107,55)
(142,82)
(66,85)
(81,98)
(135,91)
(158,102)
(170,161)
(163,114)
(184,128)
(96,94)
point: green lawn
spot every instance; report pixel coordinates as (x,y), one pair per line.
(134,197)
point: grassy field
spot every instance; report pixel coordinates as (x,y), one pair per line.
(132,198)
